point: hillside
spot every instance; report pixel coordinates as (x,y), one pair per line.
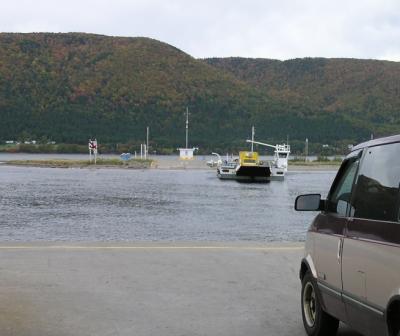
(69,87)
(365,93)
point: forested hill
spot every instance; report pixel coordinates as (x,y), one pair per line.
(69,87)
(366,93)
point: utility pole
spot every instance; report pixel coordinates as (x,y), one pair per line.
(306,149)
(252,138)
(187,127)
(147,141)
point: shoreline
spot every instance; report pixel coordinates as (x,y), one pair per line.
(81,164)
(316,167)
(154,166)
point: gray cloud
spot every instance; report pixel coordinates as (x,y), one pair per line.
(280,29)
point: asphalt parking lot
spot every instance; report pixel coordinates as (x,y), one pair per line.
(145,289)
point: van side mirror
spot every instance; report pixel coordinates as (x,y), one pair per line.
(309,202)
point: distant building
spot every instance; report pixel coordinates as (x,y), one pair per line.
(186,153)
(9,142)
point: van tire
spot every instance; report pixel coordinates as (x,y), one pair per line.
(316,321)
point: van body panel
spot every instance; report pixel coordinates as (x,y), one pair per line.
(327,264)
(328,236)
(364,318)
(361,273)
(309,253)
(377,256)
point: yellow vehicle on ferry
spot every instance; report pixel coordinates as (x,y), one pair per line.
(249,167)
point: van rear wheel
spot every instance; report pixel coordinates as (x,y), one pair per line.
(315,320)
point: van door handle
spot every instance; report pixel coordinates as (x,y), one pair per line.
(339,250)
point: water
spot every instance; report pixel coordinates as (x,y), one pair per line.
(52,156)
(45,204)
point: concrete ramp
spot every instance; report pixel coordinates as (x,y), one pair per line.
(149,289)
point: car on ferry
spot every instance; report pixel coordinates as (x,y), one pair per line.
(351,266)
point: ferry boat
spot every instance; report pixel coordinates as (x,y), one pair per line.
(248,166)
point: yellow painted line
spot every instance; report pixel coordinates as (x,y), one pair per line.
(71,247)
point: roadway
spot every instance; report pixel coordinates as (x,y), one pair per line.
(150,289)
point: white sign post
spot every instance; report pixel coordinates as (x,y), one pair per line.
(90,150)
(93,149)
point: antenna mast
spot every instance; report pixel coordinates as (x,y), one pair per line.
(187,127)
(252,138)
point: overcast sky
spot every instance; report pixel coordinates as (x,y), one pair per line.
(280,29)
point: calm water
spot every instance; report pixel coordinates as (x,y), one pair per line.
(104,205)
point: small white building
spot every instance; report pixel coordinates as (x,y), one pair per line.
(186,153)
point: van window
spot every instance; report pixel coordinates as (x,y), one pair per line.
(376,193)
(339,198)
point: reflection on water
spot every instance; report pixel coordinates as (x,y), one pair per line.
(112,204)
